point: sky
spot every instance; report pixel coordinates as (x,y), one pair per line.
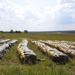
(37,15)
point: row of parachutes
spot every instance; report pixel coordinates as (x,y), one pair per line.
(26,54)
(67,47)
(5,45)
(58,51)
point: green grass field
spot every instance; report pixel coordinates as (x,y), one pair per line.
(11,65)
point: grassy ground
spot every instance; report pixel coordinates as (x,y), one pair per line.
(10,64)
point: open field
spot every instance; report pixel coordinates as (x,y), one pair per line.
(11,65)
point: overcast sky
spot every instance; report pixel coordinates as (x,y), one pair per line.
(37,15)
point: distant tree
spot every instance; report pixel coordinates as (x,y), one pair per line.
(1,31)
(11,31)
(25,31)
(17,31)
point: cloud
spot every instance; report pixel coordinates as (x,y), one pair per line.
(66,13)
(67,1)
(17,17)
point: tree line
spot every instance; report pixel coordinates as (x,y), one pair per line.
(12,31)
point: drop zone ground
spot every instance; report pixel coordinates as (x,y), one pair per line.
(11,65)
